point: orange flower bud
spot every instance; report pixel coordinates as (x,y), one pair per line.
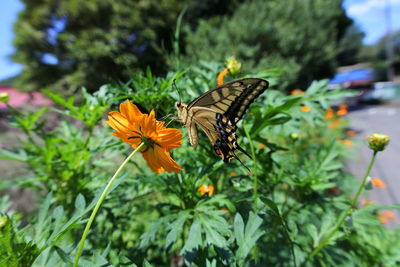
(378,183)
(206,189)
(305,108)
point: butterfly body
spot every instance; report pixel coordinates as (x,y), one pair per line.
(218,111)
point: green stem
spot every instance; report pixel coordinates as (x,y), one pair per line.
(98,204)
(254,173)
(347,212)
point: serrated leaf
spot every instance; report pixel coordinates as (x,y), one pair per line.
(238,228)
(175,228)
(194,239)
(249,237)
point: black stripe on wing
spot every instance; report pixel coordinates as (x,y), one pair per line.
(239,107)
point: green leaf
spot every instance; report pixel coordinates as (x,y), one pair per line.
(146,264)
(238,228)
(194,239)
(247,238)
(175,228)
(14,156)
(63,255)
(80,202)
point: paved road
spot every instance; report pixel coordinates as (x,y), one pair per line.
(383,119)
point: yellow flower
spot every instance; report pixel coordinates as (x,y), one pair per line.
(133,127)
(378,183)
(206,189)
(305,108)
(294,136)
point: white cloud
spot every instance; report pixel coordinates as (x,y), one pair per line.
(369,5)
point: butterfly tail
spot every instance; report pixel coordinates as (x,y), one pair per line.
(242,163)
(243,151)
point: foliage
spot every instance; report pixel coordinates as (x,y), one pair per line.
(63,45)
(350,45)
(274,215)
(277,34)
(382,55)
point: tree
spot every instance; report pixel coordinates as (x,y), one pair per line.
(300,37)
(350,45)
(383,55)
(68,44)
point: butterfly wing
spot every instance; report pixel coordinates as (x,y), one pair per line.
(232,99)
(218,111)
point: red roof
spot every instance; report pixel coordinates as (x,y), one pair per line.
(19,99)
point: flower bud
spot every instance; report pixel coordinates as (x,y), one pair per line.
(368,183)
(378,142)
(233,65)
(3,222)
(4,97)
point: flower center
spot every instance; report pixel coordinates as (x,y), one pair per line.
(148,142)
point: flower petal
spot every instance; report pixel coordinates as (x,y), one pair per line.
(159,160)
(130,111)
(170,138)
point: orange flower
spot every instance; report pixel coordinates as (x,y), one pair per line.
(329,113)
(341,112)
(343,106)
(333,124)
(206,189)
(221,76)
(385,215)
(305,108)
(351,133)
(133,127)
(260,145)
(297,92)
(382,219)
(233,174)
(378,183)
(366,202)
(388,214)
(347,142)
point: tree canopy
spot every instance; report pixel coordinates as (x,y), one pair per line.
(64,45)
(300,37)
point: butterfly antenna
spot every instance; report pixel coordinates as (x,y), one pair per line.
(177,89)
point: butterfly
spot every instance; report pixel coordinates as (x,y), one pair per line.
(217,113)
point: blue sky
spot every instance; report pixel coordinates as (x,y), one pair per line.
(368,14)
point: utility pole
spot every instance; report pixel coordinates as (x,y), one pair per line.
(389,43)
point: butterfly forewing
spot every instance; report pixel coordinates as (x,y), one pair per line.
(232,99)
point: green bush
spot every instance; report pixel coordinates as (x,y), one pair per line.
(276,215)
